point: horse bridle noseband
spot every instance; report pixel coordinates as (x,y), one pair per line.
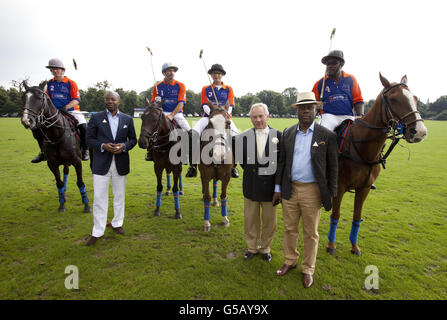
(41,120)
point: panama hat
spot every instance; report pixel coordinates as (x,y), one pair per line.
(55,63)
(307,98)
(217,67)
(338,54)
(168,65)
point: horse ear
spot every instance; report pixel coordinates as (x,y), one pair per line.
(404,79)
(385,82)
(25,85)
(210,104)
(148,103)
(43,86)
(227,105)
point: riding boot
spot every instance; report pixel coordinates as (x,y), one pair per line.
(192,170)
(84,147)
(234,172)
(38,136)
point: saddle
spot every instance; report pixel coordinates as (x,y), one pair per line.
(342,132)
(73,123)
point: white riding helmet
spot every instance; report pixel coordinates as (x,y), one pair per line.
(168,65)
(55,63)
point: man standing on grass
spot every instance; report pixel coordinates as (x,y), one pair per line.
(112,135)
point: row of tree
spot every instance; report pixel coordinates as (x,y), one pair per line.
(92,100)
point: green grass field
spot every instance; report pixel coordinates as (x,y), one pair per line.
(403,234)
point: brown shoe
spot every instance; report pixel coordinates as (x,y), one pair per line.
(308,280)
(118,230)
(92,241)
(284,269)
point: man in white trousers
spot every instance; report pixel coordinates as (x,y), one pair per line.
(112,135)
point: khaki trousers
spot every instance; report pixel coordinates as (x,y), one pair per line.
(304,204)
(257,237)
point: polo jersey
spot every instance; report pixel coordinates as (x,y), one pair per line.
(63,92)
(172,93)
(222,94)
(339,98)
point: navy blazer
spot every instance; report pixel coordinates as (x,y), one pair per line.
(99,132)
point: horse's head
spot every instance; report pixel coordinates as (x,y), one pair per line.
(401,108)
(151,122)
(34,101)
(220,122)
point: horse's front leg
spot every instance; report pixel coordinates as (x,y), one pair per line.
(335,216)
(168,183)
(224,200)
(175,191)
(159,173)
(206,203)
(81,185)
(59,184)
(360,196)
(215,202)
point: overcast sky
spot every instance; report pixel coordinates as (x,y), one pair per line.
(261,44)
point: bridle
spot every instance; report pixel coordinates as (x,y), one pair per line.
(154,138)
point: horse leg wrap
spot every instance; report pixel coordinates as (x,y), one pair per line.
(332,230)
(207,210)
(61,195)
(353,236)
(214,189)
(180,182)
(168,181)
(158,202)
(65,182)
(176,201)
(83,194)
(223,208)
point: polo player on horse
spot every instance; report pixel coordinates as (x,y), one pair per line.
(64,95)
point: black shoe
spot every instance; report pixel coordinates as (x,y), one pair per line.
(40,157)
(267,257)
(85,155)
(192,172)
(248,255)
(149,156)
(234,173)
(373,187)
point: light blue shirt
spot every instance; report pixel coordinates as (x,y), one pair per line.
(113,123)
(302,170)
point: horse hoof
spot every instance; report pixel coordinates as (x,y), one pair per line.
(87,209)
(181,193)
(178,215)
(356,252)
(226,222)
(207,226)
(167,193)
(332,251)
(61,209)
(157,212)
(215,203)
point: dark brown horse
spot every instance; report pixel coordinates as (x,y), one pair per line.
(61,145)
(361,154)
(216,160)
(156,129)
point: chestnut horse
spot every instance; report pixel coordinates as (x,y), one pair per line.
(61,146)
(361,153)
(216,160)
(156,128)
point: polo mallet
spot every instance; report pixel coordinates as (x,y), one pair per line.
(324,77)
(153,73)
(206,70)
(75,64)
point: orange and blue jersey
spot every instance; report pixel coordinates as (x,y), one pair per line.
(224,94)
(339,98)
(63,92)
(172,93)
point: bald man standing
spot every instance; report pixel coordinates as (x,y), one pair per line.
(112,135)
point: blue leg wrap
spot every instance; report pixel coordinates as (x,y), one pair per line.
(332,230)
(83,194)
(353,236)
(207,210)
(65,181)
(168,181)
(176,201)
(61,195)
(158,202)
(223,208)
(180,182)
(214,189)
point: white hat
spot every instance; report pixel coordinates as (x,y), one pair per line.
(55,63)
(168,65)
(307,98)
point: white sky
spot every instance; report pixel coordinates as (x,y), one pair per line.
(261,44)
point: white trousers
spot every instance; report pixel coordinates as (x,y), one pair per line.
(203,122)
(79,116)
(101,199)
(331,121)
(181,121)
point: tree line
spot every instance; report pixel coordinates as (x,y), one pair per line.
(279,103)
